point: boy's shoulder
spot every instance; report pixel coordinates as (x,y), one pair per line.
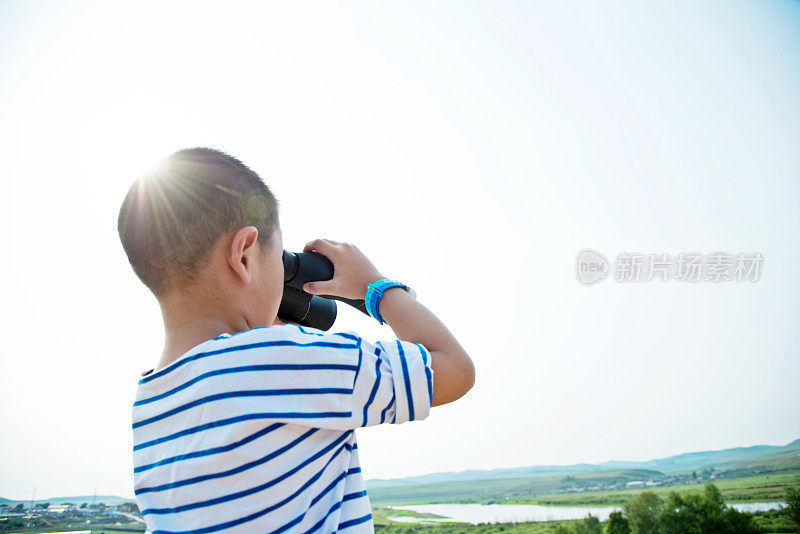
(254,342)
(291,341)
(292,332)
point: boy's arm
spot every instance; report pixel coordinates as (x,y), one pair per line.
(411,321)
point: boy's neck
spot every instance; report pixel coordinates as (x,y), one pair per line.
(188,321)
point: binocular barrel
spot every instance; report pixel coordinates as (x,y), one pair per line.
(297,306)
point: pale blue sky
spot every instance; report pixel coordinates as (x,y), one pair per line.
(471,149)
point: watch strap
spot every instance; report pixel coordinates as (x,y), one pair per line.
(375,294)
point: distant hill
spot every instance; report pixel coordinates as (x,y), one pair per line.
(751,458)
(108,500)
(489,474)
(785,458)
(693,461)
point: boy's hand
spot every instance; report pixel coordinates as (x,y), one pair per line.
(352,270)
(410,320)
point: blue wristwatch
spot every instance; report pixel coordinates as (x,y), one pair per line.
(375,294)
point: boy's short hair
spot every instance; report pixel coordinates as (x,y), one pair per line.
(174,214)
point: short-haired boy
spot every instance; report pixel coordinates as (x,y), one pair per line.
(247,423)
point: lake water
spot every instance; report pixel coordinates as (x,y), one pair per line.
(515,513)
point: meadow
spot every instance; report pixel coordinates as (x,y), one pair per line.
(745,489)
(542,490)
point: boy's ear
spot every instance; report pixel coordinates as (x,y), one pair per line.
(242,252)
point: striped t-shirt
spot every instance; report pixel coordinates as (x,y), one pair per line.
(255,432)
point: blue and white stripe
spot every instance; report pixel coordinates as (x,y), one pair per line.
(255,431)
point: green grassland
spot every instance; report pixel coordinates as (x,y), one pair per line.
(761,478)
(384,525)
(749,488)
(540,490)
(501,489)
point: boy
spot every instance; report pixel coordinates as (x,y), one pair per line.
(247,423)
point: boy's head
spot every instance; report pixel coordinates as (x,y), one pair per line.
(201,223)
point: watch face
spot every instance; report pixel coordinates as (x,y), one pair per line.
(411,292)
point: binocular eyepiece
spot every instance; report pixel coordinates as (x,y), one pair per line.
(297,306)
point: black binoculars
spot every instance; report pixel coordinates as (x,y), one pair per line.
(297,306)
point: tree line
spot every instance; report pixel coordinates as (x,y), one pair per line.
(692,513)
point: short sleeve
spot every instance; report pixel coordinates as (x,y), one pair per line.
(393,384)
